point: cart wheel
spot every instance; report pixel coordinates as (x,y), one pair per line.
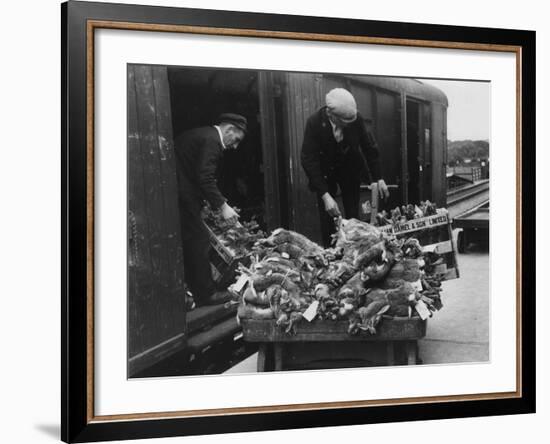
(461,242)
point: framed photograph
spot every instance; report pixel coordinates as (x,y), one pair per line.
(275,221)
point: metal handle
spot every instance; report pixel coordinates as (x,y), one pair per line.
(373,203)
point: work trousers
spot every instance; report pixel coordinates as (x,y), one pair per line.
(196,251)
(350,190)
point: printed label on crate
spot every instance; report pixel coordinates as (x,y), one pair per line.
(416,224)
(387,229)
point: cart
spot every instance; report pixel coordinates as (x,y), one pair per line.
(329,337)
(275,344)
(475,226)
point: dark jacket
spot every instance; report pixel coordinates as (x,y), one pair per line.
(327,162)
(198,154)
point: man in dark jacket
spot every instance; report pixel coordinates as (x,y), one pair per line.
(198,154)
(339,151)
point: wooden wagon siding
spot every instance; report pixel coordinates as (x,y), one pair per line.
(382,102)
(156,303)
(302,99)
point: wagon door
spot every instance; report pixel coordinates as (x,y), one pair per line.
(387,130)
(273,155)
(419,151)
(156,300)
(302,98)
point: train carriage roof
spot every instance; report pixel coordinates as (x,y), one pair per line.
(412,87)
(245,81)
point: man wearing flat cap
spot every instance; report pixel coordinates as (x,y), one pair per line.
(339,151)
(198,154)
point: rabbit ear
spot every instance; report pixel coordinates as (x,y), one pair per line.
(383,310)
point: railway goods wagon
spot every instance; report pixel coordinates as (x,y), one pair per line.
(263,178)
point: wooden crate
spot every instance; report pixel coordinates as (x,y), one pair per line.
(435,234)
(222,261)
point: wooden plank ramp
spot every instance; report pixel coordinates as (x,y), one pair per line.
(217,333)
(203,317)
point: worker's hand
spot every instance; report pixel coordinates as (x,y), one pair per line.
(383,191)
(229,214)
(331,206)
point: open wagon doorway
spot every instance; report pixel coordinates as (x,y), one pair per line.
(419,162)
(198,97)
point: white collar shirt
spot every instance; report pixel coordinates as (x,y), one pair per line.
(336,132)
(221,137)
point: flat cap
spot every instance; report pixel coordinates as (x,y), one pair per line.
(341,103)
(234,119)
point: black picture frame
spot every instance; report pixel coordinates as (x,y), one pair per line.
(77,424)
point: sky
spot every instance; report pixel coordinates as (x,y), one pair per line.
(469,112)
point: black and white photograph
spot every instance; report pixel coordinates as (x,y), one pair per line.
(301,221)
